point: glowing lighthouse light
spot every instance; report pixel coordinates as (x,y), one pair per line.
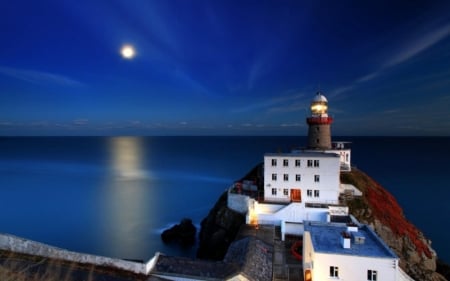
(319,108)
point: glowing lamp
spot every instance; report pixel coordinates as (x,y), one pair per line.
(319,108)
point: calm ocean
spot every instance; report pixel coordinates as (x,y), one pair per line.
(113,196)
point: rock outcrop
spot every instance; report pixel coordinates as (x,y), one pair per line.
(379,209)
(218,230)
(183,233)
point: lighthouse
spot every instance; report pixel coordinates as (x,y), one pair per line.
(319,134)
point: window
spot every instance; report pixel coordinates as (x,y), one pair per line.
(286,191)
(285,162)
(274,162)
(371,275)
(316,193)
(274,177)
(274,191)
(316,178)
(309,193)
(298,177)
(334,271)
(316,163)
(285,177)
(297,163)
(310,163)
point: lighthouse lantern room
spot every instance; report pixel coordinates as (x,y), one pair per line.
(319,134)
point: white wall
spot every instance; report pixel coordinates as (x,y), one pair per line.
(328,171)
(294,212)
(353,268)
(238,202)
(350,267)
(20,245)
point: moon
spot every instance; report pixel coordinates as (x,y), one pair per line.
(127,52)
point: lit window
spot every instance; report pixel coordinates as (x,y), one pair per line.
(286,191)
(274,162)
(316,178)
(285,177)
(334,271)
(316,163)
(297,163)
(309,193)
(274,177)
(371,275)
(285,162)
(316,193)
(274,191)
(298,177)
(310,163)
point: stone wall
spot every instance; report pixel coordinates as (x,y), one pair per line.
(238,202)
(24,246)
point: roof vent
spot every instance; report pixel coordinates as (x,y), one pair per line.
(345,240)
(351,227)
(359,239)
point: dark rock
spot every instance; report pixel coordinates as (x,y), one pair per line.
(443,268)
(218,230)
(183,233)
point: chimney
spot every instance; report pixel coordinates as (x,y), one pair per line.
(345,240)
(351,227)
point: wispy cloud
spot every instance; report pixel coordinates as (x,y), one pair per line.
(80,122)
(418,45)
(38,77)
(273,102)
(410,49)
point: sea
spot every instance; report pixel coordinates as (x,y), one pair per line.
(113,196)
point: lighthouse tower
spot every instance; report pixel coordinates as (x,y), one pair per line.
(319,135)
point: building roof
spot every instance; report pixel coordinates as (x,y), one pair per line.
(319,97)
(303,153)
(326,238)
(249,256)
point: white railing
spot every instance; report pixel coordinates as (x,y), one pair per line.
(403,276)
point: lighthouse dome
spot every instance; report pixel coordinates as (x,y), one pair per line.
(319,98)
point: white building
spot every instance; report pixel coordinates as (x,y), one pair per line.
(303,184)
(304,177)
(341,252)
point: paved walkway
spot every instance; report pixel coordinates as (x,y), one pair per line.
(285,266)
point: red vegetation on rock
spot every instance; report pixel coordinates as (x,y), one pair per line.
(386,209)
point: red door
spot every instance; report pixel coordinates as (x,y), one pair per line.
(296,195)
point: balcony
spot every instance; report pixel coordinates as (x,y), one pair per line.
(319,120)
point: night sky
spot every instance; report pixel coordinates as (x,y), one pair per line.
(223,67)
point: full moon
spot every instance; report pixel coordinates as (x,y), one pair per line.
(127,51)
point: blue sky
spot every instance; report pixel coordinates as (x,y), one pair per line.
(223,67)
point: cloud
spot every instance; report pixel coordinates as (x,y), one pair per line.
(6,124)
(287,125)
(283,99)
(418,45)
(39,77)
(411,49)
(80,122)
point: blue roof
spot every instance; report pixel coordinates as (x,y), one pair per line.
(326,238)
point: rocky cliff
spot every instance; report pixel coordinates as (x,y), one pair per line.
(218,230)
(379,209)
